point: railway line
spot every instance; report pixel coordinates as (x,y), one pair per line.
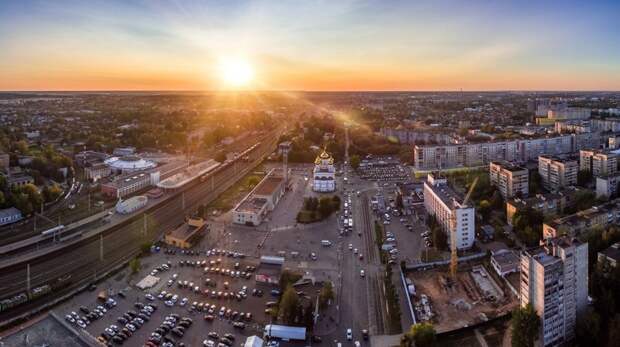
(87,259)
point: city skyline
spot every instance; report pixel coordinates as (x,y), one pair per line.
(317,46)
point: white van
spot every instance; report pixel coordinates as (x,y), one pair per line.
(326,243)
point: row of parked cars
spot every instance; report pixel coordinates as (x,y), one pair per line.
(215,340)
(130,322)
(173,324)
(89,315)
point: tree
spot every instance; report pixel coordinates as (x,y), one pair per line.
(588,330)
(485,209)
(134,265)
(289,306)
(355,161)
(584,177)
(325,206)
(145,247)
(220,157)
(2,199)
(253,181)
(525,325)
(326,294)
(535,185)
(420,335)
(51,193)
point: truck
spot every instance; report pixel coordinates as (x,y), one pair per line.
(284,332)
(326,243)
(102,296)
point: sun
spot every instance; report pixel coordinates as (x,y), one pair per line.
(236,72)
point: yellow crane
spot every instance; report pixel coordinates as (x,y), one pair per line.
(454,257)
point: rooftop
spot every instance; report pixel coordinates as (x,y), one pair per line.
(582,216)
(509,166)
(612,251)
(505,257)
(9,212)
(268,185)
(447,195)
(251,204)
(188,229)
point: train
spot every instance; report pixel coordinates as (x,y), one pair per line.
(53,230)
(35,293)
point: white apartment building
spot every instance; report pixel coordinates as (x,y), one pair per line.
(433,157)
(599,163)
(441,202)
(554,280)
(557,172)
(509,179)
(607,186)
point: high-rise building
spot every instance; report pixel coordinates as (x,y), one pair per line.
(509,179)
(598,162)
(453,216)
(557,172)
(554,280)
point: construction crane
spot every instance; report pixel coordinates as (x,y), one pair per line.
(454,257)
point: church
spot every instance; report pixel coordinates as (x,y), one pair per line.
(324,178)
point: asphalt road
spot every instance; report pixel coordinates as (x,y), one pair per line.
(85,262)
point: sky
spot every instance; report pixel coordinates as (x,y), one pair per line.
(310,45)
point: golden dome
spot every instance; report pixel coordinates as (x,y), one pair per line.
(323,157)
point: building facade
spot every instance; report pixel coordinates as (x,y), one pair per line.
(260,201)
(454,217)
(5,162)
(126,185)
(10,215)
(97,171)
(554,280)
(548,204)
(599,216)
(434,157)
(607,186)
(557,172)
(324,174)
(598,162)
(509,179)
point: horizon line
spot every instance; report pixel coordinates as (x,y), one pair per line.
(2,91)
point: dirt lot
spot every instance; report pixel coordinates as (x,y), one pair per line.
(466,303)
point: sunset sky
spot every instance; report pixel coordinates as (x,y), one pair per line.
(310,45)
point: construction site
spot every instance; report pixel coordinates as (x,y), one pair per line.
(472,295)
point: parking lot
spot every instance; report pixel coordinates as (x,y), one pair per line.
(226,294)
(383,169)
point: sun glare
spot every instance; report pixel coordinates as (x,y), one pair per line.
(236,72)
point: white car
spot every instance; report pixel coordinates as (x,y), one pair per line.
(149,297)
(69,319)
(174,276)
(350,246)
(208,343)
(362,273)
(183,302)
(102,309)
(131,327)
(169,303)
(355,251)
(350,333)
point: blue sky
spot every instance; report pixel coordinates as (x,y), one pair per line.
(311,45)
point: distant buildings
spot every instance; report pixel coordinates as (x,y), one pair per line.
(509,179)
(20,179)
(10,215)
(596,217)
(557,172)
(124,151)
(554,280)
(324,174)
(260,201)
(433,157)
(440,201)
(4,162)
(607,186)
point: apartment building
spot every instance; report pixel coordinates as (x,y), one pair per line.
(607,186)
(511,180)
(598,162)
(554,280)
(599,216)
(548,204)
(433,157)
(453,216)
(557,172)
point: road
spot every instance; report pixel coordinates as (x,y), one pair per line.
(94,257)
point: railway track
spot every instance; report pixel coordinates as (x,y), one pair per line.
(84,261)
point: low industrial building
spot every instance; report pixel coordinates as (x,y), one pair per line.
(505,262)
(129,163)
(126,185)
(187,234)
(610,256)
(10,215)
(261,200)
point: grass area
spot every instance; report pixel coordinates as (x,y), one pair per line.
(455,171)
(305,217)
(232,195)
